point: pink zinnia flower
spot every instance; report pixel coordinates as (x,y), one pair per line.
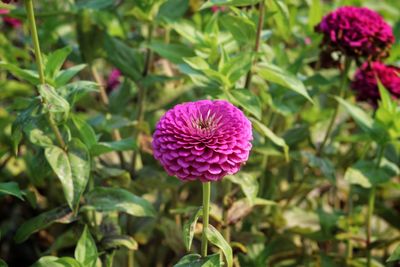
(215,9)
(13,22)
(203,140)
(114,79)
(366,85)
(356,32)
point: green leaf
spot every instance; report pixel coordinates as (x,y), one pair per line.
(395,256)
(211,3)
(106,147)
(366,174)
(117,241)
(195,260)
(86,132)
(86,250)
(105,199)
(27,75)
(279,76)
(325,165)
(3,263)
(314,14)
(128,60)
(59,215)
(241,28)
(261,128)
(64,76)
(247,182)
(197,63)
(52,261)
(11,188)
(218,240)
(94,4)
(189,227)
(173,9)
(362,119)
(72,168)
(76,90)
(173,52)
(248,101)
(54,103)
(55,61)
(281,17)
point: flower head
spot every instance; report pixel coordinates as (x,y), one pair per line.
(13,22)
(356,32)
(114,79)
(203,140)
(366,85)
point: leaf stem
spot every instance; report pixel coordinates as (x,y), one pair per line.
(261,15)
(371,205)
(335,113)
(206,210)
(116,135)
(36,45)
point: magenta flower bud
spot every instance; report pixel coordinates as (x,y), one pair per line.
(203,140)
(366,86)
(356,32)
(114,79)
(13,22)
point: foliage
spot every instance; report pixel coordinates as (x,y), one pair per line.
(78,182)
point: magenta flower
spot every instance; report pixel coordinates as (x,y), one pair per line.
(13,22)
(365,83)
(356,32)
(203,140)
(114,79)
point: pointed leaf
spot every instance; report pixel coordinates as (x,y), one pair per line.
(279,76)
(65,76)
(261,128)
(195,260)
(11,188)
(86,250)
(363,120)
(55,61)
(189,227)
(106,147)
(218,240)
(248,101)
(117,241)
(105,199)
(44,220)
(72,168)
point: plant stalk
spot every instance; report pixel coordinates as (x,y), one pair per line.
(260,25)
(38,57)
(371,206)
(116,135)
(206,210)
(343,83)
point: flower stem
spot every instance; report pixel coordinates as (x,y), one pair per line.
(261,9)
(371,205)
(343,83)
(36,45)
(206,209)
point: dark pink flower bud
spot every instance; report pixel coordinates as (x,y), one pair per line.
(366,86)
(114,79)
(203,140)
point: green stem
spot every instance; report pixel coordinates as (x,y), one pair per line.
(349,250)
(36,45)
(142,98)
(110,259)
(261,15)
(227,185)
(343,83)
(206,210)
(371,206)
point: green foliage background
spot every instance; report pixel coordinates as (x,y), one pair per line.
(101,197)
